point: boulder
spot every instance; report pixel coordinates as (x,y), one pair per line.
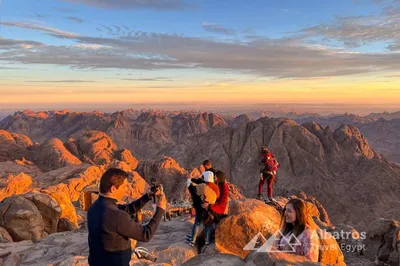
(49,209)
(14,185)
(5,236)
(247,220)
(66,225)
(68,210)
(382,242)
(21,218)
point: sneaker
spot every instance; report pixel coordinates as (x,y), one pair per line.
(204,248)
(191,244)
(260,197)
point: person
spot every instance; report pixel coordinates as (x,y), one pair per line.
(207,167)
(218,210)
(268,173)
(295,234)
(110,225)
(207,192)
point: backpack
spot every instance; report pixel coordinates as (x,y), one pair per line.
(271,164)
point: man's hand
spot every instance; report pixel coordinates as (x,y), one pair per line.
(205,205)
(156,193)
(161,201)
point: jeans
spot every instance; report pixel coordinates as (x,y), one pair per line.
(208,231)
(196,227)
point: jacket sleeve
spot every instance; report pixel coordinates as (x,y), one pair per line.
(144,233)
(198,180)
(220,206)
(135,206)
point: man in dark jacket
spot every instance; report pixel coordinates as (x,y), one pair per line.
(110,225)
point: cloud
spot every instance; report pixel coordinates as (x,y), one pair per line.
(38,27)
(59,81)
(393,76)
(90,46)
(117,28)
(135,4)
(149,79)
(7,43)
(276,58)
(11,68)
(64,9)
(41,16)
(355,31)
(215,28)
(75,19)
(109,30)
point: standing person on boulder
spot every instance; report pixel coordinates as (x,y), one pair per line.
(218,210)
(268,173)
(110,225)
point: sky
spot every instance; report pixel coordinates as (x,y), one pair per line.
(92,52)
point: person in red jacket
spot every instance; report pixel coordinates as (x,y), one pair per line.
(268,174)
(207,192)
(220,209)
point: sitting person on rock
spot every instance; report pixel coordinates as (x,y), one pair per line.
(296,236)
(207,192)
(218,210)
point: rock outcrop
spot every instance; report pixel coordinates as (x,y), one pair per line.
(168,173)
(14,185)
(48,208)
(21,218)
(53,155)
(383,242)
